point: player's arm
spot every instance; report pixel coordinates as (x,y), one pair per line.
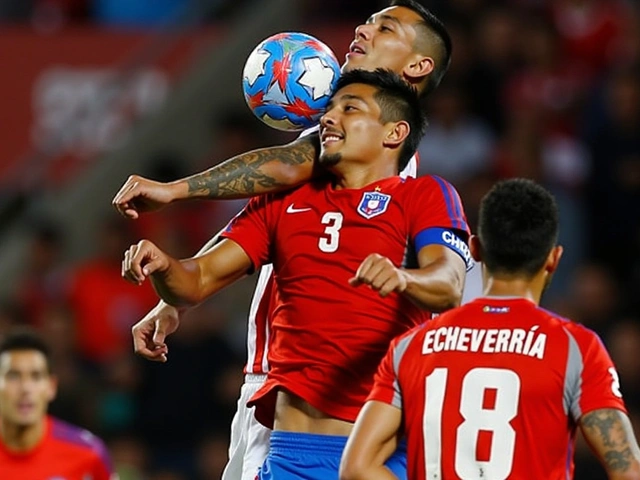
(150,332)
(371,443)
(609,433)
(435,286)
(185,283)
(252,173)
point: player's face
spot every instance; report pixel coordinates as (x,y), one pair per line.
(26,387)
(351,129)
(385,41)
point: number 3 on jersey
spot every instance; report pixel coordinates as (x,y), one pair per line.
(478,419)
(333,221)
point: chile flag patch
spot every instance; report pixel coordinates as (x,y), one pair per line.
(373,204)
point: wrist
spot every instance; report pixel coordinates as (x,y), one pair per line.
(178,190)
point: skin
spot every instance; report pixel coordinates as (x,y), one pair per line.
(386,40)
(348,133)
(607,431)
(26,389)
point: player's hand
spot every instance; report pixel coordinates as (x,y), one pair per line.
(142,260)
(139,194)
(380,274)
(150,333)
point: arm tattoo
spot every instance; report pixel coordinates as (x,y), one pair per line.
(606,431)
(243,175)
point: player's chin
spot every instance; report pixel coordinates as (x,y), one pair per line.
(328,159)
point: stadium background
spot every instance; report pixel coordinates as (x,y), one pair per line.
(94,90)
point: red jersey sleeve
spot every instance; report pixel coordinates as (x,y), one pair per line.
(250,229)
(385,387)
(436,203)
(591,375)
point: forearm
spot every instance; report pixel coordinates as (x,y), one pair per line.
(252,173)
(436,287)
(180,285)
(610,435)
(372,473)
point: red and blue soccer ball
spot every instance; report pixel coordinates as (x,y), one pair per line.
(288,80)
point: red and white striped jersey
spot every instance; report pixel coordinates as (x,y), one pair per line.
(263,302)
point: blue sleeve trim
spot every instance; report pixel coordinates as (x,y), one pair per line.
(453,204)
(447,238)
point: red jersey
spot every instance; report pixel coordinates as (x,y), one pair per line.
(494,389)
(264,301)
(65,453)
(326,335)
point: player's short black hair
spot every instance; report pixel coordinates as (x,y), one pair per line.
(431,34)
(397,100)
(25,338)
(517,227)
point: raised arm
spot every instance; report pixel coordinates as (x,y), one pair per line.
(150,332)
(435,286)
(185,283)
(373,440)
(252,173)
(609,434)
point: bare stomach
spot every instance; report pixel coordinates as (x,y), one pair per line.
(293,414)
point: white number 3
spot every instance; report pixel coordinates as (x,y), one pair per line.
(333,220)
(615,382)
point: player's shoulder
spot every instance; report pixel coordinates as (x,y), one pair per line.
(402,342)
(80,438)
(432,185)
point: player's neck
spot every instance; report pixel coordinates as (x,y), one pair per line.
(512,287)
(18,438)
(360,175)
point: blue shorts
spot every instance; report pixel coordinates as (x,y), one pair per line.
(305,456)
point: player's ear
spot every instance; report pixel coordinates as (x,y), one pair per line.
(553,259)
(475,248)
(397,134)
(419,67)
(52,391)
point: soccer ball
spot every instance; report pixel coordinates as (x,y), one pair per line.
(288,80)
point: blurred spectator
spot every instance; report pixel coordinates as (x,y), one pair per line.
(11,315)
(623,342)
(34,444)
(614,189)
(44,282)
(589,30)
(212,457)
(173,420)
(548,84)
(593,299)
(494,52)
(105,306)
(140,13)
(457,145)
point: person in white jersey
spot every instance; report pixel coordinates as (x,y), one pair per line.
(403,37)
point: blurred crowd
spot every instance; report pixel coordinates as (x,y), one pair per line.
(548,90)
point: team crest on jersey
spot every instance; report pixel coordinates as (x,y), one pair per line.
(373,204)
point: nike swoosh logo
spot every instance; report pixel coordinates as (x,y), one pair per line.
(290,209)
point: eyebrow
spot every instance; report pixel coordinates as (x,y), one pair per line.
(346,96)
(383,17)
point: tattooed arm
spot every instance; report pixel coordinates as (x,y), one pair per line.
(610,435)
(259,171)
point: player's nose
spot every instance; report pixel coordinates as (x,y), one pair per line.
(363,32)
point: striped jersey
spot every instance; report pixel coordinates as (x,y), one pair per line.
(327,336)
(262,304)
(494,389)
(65,452)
